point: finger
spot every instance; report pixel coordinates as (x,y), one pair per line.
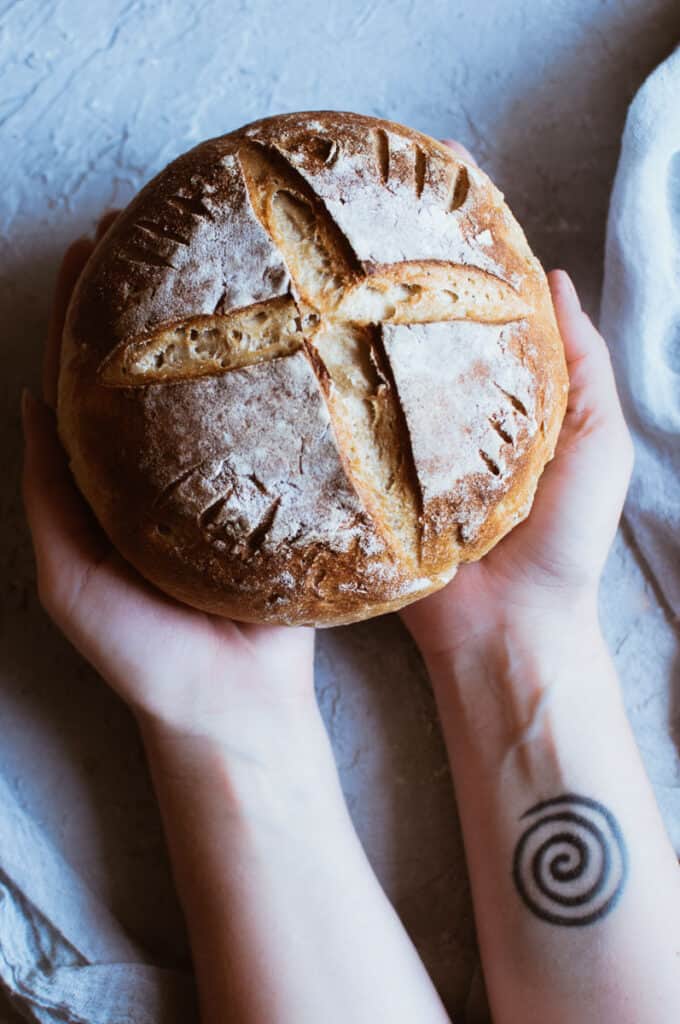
(459,149)
(591,377)
(74,260)
(105,223)
(580,338)
(285,639)
(66,538)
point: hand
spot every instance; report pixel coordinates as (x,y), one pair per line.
(173,665)
(550,565)
(285,916)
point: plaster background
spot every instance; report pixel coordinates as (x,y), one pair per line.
(94,99)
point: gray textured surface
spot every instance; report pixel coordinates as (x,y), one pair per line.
(94,98)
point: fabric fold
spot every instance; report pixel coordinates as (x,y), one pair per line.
(640,316)
(63,956)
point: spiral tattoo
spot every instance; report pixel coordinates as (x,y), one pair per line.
(570,864)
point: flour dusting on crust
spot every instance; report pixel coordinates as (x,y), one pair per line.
(398,429)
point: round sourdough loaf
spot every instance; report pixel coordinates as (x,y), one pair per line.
(309,370)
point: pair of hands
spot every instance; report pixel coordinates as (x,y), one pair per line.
(191,673)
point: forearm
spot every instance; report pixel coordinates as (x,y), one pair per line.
(286,919)
(530,715)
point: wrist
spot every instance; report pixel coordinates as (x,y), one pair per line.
(252,712)
(501,675)
(514,634)
(279,763)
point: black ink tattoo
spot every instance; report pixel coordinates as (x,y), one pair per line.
(570,864)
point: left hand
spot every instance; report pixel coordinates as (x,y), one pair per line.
(193,673)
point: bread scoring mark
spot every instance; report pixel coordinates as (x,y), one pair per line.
(257,537)
(319,258)
(190,204)
(210,514)
(381,145)
(459,188)
(134,253)
(370,430)
(490,463)
(167,491)
(254,479)
(324,149)
(429,291)
(320,149)
(207,345)
(403,478)
(515,402)
(500,430)
(155,230)
(419,170)
(214,520)
(309,261)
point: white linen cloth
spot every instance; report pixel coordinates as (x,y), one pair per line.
(63,957)
(640,316)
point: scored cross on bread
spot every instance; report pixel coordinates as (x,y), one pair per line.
(312,368)
(334,314)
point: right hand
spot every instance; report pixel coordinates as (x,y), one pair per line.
(548,568)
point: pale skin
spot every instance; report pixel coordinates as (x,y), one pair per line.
(286,919)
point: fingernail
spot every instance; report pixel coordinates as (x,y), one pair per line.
(570,285)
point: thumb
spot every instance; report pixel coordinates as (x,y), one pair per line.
(66,539)
(592,387)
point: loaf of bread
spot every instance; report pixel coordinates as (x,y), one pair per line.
(309,370)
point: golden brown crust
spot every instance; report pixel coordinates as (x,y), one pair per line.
(382,413)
